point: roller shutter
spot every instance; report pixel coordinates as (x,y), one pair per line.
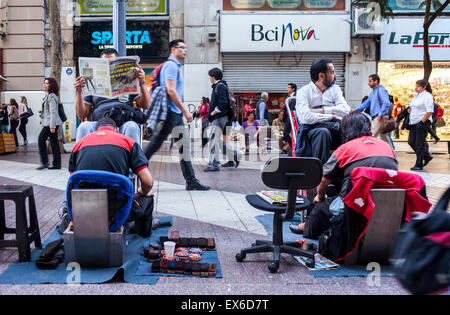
(271,72)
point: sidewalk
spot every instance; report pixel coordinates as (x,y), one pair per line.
(222,213)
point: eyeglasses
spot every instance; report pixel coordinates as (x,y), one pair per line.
(181,47)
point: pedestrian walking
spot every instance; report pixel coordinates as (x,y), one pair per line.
(379,105)
(23,109)
(171,79)
(220,115)
(50,122)
(14,121)
(420,119)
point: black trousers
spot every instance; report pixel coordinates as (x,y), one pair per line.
(42,143)
(174,121)
(417,141)
(14,123)
(23,128)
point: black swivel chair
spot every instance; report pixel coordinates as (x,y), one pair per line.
(286,173)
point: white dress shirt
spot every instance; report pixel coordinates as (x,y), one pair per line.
(309,97)
(421,104)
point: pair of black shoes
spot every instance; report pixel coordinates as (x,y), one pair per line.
(53,167)
(425,163)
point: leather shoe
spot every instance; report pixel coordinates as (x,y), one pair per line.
(294,229)
(197,186)
(211,169)
(54,167)
(426,161)
(416,168)
(228,164)
(42,167)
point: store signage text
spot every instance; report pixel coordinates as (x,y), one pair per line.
(435,40)
(135,39)
(285,32)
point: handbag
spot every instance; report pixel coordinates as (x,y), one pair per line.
(61,113)
(28,114)
(388,124)
(123,113)
(421,251)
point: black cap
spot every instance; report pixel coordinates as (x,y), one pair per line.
(105,122)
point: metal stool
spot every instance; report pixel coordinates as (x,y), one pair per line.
(24,235)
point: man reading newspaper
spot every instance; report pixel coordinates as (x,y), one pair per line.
(103,105)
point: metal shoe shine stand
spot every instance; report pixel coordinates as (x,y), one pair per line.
(90,243)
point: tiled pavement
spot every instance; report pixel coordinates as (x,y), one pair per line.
(222,213)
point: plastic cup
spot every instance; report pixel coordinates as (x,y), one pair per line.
(169,247)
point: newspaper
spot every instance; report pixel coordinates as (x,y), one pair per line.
(277,197)
(110,77)
(321,263)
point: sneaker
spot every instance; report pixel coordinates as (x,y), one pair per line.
(196,185)
(228,164)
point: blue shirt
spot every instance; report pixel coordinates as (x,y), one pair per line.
(172,71)
(262,110)
(375,108)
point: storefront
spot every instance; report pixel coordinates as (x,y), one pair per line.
(147,31)
(264,52)
(401,62)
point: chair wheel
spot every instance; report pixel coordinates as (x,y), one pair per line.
(310,263)
(273,267)
(240,257)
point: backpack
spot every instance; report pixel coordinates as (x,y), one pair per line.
(438,111)
(232,113)
(421,252)
(156,76)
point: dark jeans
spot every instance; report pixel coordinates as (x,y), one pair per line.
(23,128)
(417,141)
(321,142)
(42,142)
(174,120)
(14,123)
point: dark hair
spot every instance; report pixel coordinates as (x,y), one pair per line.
(375,77)
(109,51)
(426,85)
(175,43)
(216,73)
(319,65)
(54,88)
(105,121)
(13,102)
(251,112)
(355,125)
(293,86)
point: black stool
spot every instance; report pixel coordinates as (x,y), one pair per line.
(24,234)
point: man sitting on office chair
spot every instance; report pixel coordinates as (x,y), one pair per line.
(319,107)
(108,150)
(360,149)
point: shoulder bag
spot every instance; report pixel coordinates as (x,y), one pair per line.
(388,123)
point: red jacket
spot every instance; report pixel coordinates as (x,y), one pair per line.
(366,178)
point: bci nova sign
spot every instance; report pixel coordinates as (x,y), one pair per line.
(283,33)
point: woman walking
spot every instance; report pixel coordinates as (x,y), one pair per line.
(203,116)
(23,109)
(14,119)
(50,122)
(420,119)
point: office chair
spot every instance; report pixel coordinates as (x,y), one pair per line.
(287,173)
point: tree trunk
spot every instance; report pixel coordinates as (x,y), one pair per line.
(56,40)
(427,65)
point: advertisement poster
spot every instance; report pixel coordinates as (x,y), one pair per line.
(109,77)
(401,6)
(96,7)
(282,5)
